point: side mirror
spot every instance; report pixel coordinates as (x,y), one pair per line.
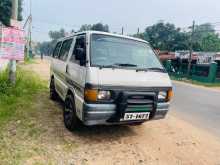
(80,55)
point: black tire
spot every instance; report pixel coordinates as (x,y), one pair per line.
(71,121)
(53,93)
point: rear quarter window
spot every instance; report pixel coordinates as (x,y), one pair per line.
(64,51)
(57,50)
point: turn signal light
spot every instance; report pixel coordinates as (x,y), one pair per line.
(91,94)
(170,94)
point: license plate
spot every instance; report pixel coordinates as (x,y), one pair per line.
(136,116)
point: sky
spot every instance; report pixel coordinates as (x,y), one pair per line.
(130,14)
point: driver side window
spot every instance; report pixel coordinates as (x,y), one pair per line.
(80,43)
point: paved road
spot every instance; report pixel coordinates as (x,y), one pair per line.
(200,106)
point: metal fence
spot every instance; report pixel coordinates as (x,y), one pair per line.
(207,73)
(218,73)
(200,70)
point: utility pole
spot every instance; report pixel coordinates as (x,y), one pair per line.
(138,31)
(12,63)
(122,30)
(191,49)
(29,48)
(30,43)
(29,37)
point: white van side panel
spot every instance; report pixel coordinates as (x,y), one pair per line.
(92,76)
(60,84)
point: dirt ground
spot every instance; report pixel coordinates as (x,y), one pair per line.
(164,142)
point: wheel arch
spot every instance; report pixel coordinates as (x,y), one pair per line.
(72,92)
(51,77)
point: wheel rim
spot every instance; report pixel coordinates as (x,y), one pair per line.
(68,112)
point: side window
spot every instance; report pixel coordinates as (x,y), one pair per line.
(64,51)
(80,43)
(57,50)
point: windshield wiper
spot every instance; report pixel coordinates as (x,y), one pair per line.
(125,65)
(157,69)
(107,66)
(151,69)
(117,65)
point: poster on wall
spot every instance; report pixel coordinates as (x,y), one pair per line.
(12,43)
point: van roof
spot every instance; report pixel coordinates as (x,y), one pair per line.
(104,33)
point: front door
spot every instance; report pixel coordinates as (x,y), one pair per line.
(76,73)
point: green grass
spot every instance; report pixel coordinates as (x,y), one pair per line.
(29,60)
(27,132)
(216,84)
(31,127)
(17,116)
(15,98)
(203,84)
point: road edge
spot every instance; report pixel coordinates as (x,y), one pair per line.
(215,89)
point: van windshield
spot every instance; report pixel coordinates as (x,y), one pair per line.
(110,51)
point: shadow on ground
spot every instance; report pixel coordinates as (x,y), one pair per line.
(53,120)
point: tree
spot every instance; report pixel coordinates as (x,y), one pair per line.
(210,43)
(5,11)
(45,48)
(140,35)
(203,35)
(20,9)
(55,35)
(166,36)
(100,27)
(181,41)
(97,27)
(85,27)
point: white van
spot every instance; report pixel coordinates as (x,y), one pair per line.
(108,79)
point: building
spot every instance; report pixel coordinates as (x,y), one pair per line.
(3,62)
(200,57)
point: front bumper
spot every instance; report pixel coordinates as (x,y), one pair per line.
(100,114)
(161,111)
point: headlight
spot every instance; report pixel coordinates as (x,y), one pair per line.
(104,95)
(95,95)
(162,95)
(165,95)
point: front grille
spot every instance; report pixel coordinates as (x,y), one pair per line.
(133,102)
(140,101)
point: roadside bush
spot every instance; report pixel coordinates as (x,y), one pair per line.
(18,97)
(3,83)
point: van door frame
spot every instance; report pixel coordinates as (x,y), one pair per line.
(76,77)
